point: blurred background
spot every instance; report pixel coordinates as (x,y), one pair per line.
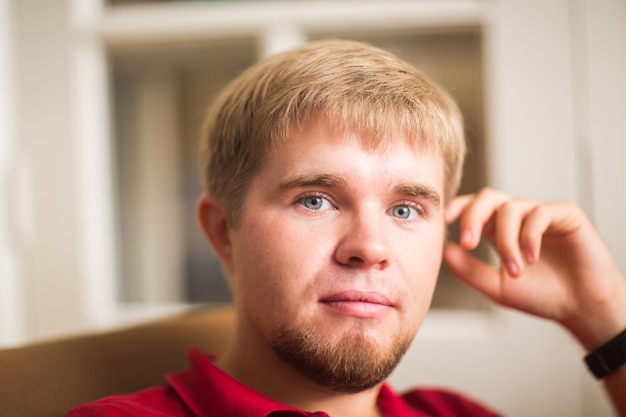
(101,105)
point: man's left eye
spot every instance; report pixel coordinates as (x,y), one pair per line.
(404,212)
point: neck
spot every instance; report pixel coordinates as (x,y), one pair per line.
(263,371)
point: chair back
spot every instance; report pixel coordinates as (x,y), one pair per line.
(49,379)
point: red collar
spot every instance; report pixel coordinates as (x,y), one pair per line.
(210,392)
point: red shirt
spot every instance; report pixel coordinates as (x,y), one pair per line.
(207,391)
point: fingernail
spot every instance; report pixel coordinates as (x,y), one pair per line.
(466,237)
(512,267)
(530,257)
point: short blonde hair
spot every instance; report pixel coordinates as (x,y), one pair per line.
(356,87)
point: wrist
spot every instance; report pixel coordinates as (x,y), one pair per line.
(596,326)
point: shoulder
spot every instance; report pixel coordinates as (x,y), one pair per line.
(151,402)
(444,403)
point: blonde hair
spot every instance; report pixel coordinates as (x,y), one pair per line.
(356,87)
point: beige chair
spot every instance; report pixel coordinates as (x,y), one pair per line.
(49,379)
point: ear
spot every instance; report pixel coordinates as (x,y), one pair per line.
(212,219)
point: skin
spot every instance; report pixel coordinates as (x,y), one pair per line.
(354,265)
(286,261)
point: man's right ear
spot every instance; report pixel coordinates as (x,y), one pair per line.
(211,216)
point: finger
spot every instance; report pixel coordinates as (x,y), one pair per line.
(455,207)
(531,235)
(478,275)
(477,214)
(509,219)
(554,217)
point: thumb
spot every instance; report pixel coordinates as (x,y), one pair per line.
(478,275)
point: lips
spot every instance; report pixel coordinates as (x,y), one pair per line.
(358,296)
(361,304)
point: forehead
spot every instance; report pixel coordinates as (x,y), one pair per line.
(391,143)
(317,148)
(377,137)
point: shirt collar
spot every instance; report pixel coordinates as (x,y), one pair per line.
(208,391)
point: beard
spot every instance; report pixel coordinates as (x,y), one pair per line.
(353,364)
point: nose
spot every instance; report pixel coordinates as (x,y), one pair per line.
(364,243)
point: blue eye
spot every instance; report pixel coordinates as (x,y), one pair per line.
(316,203)
(404,212)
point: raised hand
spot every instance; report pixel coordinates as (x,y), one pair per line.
(553,262)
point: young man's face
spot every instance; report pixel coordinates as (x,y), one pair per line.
(337,251)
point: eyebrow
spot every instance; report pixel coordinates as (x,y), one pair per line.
(418,190)
(311,180)
(332,181)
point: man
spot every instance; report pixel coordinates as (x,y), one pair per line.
(330,172)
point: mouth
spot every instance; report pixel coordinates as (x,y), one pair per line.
(359,304)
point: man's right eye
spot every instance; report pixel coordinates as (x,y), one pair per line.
(317,203)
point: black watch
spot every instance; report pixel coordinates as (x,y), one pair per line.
(607,358)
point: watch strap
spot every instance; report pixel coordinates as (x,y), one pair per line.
(607,358)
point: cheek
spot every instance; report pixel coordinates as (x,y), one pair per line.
(422,264)
(272,265)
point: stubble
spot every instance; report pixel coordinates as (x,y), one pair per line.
(353,364)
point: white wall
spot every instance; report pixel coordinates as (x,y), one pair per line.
(603,105)
(42,182)
(11,292)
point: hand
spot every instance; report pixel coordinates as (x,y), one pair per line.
(554,264)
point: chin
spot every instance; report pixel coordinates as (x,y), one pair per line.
(354,362)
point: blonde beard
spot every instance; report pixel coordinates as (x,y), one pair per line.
(353,364)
